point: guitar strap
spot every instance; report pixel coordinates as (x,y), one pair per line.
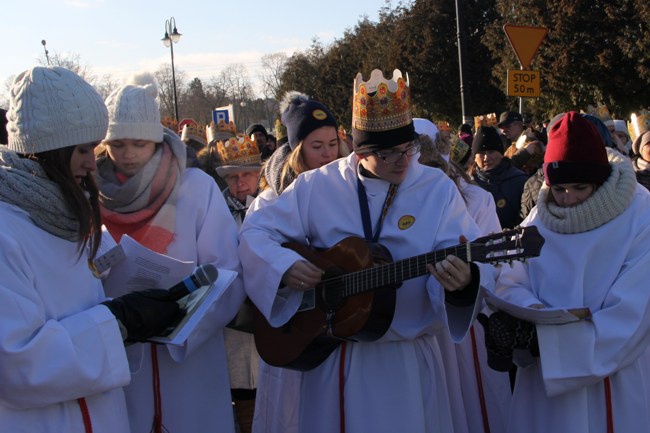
(365,210)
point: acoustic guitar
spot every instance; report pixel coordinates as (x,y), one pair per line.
(355,300)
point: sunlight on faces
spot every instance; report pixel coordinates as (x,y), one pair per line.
(320,147)
(242,184)
(512,131)
(645,151)
(488,160)
(259,138)
(572,194)
(82,161)
(392,164)
(129,156)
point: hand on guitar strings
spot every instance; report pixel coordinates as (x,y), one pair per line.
(302,275)
(452,273)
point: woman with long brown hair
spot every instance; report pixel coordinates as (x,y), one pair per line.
(61,351)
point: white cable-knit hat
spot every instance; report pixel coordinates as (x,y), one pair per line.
(133,111)
(51,108)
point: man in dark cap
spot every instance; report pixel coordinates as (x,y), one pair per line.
(526,149)
(258,133)
(495,173)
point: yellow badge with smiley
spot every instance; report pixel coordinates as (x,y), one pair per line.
(319,114)
(406,222)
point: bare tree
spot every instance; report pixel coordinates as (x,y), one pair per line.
(166,89)
(273,66)
(72,62)
(106,85)
(239,91)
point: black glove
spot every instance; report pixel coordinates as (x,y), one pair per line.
(146,313)
(505,333)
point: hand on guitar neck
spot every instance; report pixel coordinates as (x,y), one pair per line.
(452,273)
(302,275)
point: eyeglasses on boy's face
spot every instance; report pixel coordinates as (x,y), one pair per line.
(392,157)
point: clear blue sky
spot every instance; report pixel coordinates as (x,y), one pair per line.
(120,37)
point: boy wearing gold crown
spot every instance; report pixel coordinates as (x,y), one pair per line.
(381,193)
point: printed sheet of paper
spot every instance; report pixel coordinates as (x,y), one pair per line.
(141,268)
(543,316)
(197,304)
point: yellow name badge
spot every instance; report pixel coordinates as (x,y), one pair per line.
(405,222)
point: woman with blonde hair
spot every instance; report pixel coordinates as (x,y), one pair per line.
(313,142)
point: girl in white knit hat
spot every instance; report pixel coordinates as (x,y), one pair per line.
(62,357)
(147,192)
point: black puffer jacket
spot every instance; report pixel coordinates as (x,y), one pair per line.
(506,184)
(531,192)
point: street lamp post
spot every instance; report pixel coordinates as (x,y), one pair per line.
(46,52)
(172,37)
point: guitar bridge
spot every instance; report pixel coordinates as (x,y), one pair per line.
(329,324)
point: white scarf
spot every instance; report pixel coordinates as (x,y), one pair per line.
(605,204)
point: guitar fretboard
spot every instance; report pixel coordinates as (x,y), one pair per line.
(388,274)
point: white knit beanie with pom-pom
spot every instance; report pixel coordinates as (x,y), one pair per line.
(133,111)
(51,108)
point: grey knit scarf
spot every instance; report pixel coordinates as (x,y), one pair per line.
(605,204)
(273,169)
(23,183)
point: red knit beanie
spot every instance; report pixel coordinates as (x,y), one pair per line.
(575,152)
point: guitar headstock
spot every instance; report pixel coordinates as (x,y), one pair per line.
(514,244)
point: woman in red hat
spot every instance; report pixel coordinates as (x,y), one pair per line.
(587,375)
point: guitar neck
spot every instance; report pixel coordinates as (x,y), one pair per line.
(394,273)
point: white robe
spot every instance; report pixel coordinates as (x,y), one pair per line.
(605,269)
(56,343)
(194,381)
(396,383)
(461,370)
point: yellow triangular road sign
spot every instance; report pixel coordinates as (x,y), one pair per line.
(525,41)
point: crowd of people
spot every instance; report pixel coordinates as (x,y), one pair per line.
(359,302)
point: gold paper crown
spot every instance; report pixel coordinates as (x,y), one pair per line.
(600,111)
(443,126)
(280,129)
(639,123)
(485,120)
(238,151)
(342,134)
(169,122)
(380,104)
(194,131)
(220,131)
(458,149)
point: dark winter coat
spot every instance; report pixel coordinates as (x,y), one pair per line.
(531,192)
(506,184)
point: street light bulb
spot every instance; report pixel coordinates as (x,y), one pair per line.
(166,40)
(176,36)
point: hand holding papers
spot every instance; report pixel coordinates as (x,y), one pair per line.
(130,266)
(540,316)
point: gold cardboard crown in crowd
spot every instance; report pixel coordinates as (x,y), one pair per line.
(169,122)
(485,120)
(380,104)
(639,123)
(238,151)
(280,129)
(600,111)
(220,131)
(193,131)
(458,149)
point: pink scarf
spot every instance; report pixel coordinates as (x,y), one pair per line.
(144,206)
